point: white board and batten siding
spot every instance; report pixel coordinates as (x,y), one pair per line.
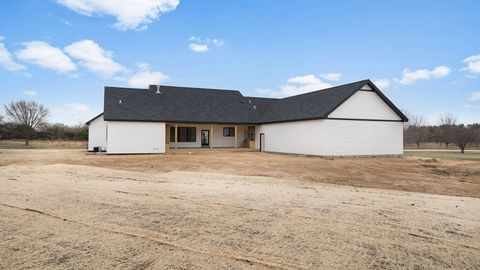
(135,137)
(97,134)
(365,105)
(336,137)
(362,138)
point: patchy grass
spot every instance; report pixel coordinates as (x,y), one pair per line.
(455,155)
(40,144)
(437,146)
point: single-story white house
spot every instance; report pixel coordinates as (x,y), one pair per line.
(348,120)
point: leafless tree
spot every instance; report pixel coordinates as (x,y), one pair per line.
(1,118)
(417,130)
(29,115)
(447,128)
(409,116)
(463,136)
(476,133)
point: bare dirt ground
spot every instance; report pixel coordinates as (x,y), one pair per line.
(222,210)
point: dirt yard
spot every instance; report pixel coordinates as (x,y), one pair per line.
(245,210)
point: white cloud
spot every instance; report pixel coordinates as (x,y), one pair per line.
(6,60)
(67,23)
(217,42)
(46,56)
(143,77)
(474,96)
(71,113)
(202,45)
(382,84)
(94,58)
(473,64)
(410,77)
(198,47)
(29,93)
(331,76)
(130,14)
(299,85)
(471,107)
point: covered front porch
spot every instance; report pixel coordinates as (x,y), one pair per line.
(209,136)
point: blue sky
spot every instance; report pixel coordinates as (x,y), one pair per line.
(424,55)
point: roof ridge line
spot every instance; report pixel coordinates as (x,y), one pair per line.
(325,89)
(127,88)
(190,87)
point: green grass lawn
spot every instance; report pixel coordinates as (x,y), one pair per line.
(444,154)
(37,144)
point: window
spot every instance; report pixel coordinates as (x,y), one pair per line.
(228,132)
(185,134)
(251,133)
(172,134)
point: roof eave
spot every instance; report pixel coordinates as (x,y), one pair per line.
(386,100)
(89,121)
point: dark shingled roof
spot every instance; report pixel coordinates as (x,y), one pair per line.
(198,105)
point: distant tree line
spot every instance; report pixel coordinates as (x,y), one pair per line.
(27,120)
(447,132)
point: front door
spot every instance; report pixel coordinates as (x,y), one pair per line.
(205,138)
(262,142)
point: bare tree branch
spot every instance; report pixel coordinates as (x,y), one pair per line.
(463,136)
(447,128)
(29,115)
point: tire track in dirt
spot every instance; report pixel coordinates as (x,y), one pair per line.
(325,222)
(402,229)
(119,230)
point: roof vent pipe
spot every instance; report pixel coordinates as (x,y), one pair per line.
(158,90)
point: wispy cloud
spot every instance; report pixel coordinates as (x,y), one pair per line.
(471,107)
(382,84)
(410,77)
(94,58)
(217,42)
(130,14)
(473,64)
(331,76)
(474,96)
(44,55)
(198,47)
(67,23)
(144,77)
(29,93)
(203,45)
(6,60)
(295,86)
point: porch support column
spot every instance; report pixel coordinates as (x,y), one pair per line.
(236,137)
(176,135)
(211,136)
